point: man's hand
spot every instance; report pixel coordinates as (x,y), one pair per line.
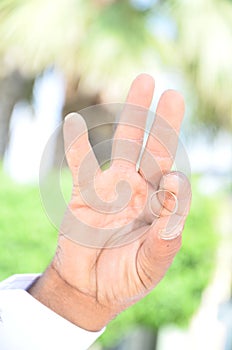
(90,285)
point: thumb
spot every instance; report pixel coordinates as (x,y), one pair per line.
(163,240)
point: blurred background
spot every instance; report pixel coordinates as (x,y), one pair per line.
(65,55)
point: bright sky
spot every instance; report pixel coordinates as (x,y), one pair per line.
(30,131)
(143,4)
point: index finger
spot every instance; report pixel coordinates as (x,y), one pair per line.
(78,150)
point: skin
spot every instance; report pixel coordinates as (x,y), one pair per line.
(89,286)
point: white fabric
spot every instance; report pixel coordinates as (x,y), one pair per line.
(26,324)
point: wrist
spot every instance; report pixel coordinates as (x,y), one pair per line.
(80,309)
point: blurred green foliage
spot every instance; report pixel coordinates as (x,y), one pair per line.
(28,242)
(27,237)
(104,43)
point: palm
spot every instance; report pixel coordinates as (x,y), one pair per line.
(127,262)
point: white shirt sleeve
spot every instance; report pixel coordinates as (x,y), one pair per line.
(26,324)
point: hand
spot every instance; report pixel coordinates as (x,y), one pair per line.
(90,285)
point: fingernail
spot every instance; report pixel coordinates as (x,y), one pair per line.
(69,116)
(163,234)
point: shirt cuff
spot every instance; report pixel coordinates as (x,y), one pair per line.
(27,324)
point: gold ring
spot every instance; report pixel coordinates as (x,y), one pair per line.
(172,194)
